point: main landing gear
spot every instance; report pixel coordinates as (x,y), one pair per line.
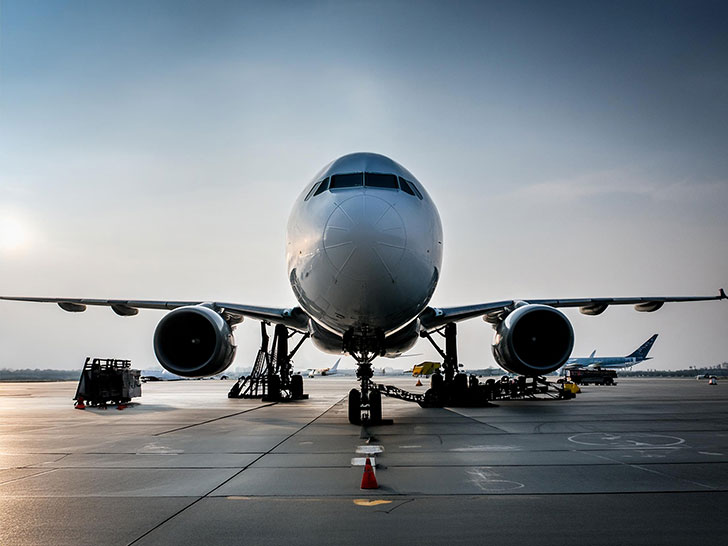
(272,377)
(449,385)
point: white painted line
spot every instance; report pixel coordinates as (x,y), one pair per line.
(361,461)
(369,450)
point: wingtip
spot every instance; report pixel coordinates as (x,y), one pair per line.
(722,295)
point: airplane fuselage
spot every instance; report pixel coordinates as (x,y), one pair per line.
(364,252)
(606,362)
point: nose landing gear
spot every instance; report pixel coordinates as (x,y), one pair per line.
(365,403)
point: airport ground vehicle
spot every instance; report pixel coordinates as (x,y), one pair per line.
(592,376)
(107,381)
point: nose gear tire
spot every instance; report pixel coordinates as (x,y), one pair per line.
(355,407)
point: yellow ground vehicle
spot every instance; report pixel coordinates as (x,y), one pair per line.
(426,368)
(571,387)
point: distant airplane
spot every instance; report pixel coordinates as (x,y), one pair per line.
(312,372)
(364,256)
(639,355)
(164,375)
(159,375)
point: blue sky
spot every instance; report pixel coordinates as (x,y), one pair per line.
(153,150)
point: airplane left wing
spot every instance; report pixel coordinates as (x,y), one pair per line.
(294,318)
(433,318)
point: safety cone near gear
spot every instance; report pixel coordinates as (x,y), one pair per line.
(369,480)
(79,403)
(418,384)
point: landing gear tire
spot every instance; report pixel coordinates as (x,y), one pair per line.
(296,387)
(274,388)
(375,407)
(355,407)
(433,399)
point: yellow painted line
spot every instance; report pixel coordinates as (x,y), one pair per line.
(279,499)
(367,502)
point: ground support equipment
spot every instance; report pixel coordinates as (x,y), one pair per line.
(107,381)
(468,392)
(272,378)
(592,376)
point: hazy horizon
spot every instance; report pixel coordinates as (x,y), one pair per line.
(153,151)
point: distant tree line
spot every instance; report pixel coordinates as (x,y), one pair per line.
(39,375)
(720,370)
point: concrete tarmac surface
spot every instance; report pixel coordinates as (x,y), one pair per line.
(644,462)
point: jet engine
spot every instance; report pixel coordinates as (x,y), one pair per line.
(194,341)
(533,340)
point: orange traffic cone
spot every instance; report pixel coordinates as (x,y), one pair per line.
(369,480)
(79,403)
(418,384)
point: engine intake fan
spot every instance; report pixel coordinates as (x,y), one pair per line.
(533,340)
(194,341)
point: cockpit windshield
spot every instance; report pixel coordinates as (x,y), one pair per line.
(346,181)
(369,180)
(378,180)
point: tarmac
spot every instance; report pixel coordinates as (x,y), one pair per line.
(643,462)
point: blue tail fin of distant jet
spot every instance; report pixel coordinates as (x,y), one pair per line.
(641,353)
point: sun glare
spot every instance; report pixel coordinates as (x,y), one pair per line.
(14,234)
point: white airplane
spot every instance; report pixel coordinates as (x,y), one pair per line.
(312,372)
(364,251)
(616,362)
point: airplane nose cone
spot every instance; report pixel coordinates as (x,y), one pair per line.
(365,238)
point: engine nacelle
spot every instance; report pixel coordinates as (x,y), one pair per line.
(533,340)
(194,341)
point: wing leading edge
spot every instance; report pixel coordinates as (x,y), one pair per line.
(294,317)
(433,318)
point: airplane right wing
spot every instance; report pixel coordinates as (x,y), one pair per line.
(433,318)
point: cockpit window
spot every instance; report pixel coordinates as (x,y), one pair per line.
(409,187)
(310,192)
(346,180)
(378,180)
(419,195)
(323,185)
(405,186)
(369,180)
